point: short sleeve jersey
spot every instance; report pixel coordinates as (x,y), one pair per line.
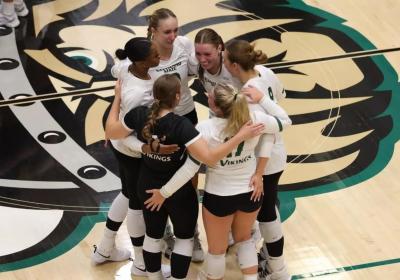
(232,174)
(134,92)
(170,129)
(178,63)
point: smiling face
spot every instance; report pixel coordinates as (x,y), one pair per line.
(154,58)
(208,56)
(166,32)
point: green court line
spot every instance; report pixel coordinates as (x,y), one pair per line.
(344,269)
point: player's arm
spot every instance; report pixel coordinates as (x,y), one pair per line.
(210,156)
(114,127)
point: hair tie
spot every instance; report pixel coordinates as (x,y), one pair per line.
(234,96)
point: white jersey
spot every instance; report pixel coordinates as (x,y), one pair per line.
(232,174)
(178,63)
(209,81)
(276,154)
(134,92)
(275,88)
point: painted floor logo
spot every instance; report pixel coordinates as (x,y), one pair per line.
(53,158)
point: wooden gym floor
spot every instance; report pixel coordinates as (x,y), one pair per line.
(340,195)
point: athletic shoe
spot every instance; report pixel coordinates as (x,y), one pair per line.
(21,9)
(116,255)
(9,20)
(138,271)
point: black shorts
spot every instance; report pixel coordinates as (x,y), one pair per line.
(192,116)
(222,206)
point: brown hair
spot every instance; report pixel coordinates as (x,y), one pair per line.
(233,106)
(209,36)
(243,53)
(165,89)
(155,18)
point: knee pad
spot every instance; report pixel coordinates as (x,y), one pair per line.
(183,247)
(271,231)
(119,208)
(215,266)
(247,254)
(152,245)
(135,223)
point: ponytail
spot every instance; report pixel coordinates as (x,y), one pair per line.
(233,106)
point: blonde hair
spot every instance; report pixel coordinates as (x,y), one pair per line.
(155,18)
(233,106)
(243,53)
(165,89)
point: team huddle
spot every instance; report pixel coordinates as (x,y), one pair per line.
(160,146)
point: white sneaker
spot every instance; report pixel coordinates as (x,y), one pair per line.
(138,271)
(21,10)
(11,20)
(116,255)
(198,253)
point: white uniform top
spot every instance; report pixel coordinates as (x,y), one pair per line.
(224,77)
(232,174)
(275,88)
(269,84)
(134,92)
(178,63)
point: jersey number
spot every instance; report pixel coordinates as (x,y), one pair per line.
(238,150)
(271,95)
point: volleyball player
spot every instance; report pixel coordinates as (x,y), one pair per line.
(175,52)
(136,90)
(240,60)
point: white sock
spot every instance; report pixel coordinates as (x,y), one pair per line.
(107,242)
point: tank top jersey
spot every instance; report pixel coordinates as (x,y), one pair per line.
(178,63)
(276,153)
(134,92)
(156,170)
(232,174)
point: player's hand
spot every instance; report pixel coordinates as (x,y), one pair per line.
(250,130)
(155,201)
(256,184)
(252,93)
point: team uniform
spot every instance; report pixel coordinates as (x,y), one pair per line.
(182,206)
(268,216)
(230,177)
(209,80)
(179,63)
(134,92)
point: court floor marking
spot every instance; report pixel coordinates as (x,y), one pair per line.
(273,65)
(345,269)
